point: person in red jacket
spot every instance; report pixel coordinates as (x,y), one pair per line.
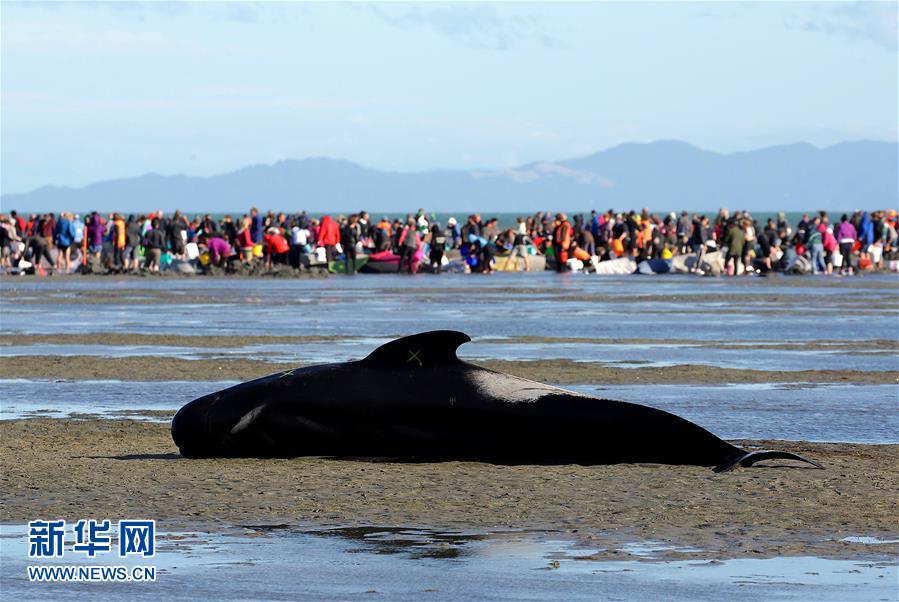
(245,240)
(276,247)
(19,223)
(328,237)
(47,226)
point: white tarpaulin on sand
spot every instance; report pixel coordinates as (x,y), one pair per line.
(712,263)
(620,266)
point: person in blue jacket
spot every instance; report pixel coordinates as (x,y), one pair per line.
(257,226)
(64,238)
(866,232)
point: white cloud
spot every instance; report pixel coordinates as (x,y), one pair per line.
(476,25)
(582,177)
(223,98)
(131,10)
(546,169)
(876,22)
(38,38)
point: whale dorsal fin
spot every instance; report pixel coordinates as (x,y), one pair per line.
(423,350)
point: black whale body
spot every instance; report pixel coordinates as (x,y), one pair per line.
(413,398)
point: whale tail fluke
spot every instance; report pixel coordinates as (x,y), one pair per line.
(750,458)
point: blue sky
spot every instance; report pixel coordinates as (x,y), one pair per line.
(100,91)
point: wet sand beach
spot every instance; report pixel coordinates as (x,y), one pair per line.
(121,468)
(154,368)
(664,332)
(113,339)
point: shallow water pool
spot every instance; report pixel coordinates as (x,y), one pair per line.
(791,411)
(425,564)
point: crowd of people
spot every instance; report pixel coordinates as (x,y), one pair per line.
(113,243)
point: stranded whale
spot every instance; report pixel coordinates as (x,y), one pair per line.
(413,398)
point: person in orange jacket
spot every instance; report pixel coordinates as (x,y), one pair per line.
(118,242)
(561,241)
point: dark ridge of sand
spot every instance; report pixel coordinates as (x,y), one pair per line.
(162,340)
(218,341)
(117,469)
(183,297)
(255,271)
(150,298)
(136,368)
(154,368)
(584,373)
(747,344)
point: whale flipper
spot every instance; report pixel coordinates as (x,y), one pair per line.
(425,350)
(750,458)
(247,419)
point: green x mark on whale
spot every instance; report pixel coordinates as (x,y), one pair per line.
(414,355)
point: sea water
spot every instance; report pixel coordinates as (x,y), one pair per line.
(402,563)
(822,324)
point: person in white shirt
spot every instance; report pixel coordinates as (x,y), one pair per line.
(299,243)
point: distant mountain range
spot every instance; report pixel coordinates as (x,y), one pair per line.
(665,175)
